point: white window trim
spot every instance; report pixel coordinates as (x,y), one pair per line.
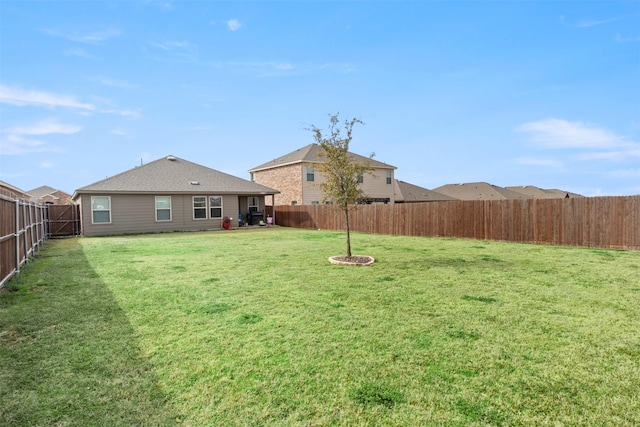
(193,207)
(101,210)
(216,207)
(170,209)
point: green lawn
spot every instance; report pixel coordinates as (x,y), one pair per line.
(256,327)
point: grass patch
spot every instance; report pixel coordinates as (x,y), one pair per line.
(487,300)
(377,394)
(255,327)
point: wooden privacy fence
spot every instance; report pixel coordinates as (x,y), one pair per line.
(25,225)
(606,222)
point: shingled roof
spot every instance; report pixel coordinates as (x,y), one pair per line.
(406,192)
(309,154)
(478,191)
(533,192)
(172,175)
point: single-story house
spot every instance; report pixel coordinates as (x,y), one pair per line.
(50,196)
(168,194)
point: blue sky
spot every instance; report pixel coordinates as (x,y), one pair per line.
(543,93)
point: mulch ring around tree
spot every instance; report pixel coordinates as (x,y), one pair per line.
(361,260)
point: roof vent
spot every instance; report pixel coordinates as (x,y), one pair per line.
(194,182)
(172,158)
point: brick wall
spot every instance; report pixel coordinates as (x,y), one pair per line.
(286,179)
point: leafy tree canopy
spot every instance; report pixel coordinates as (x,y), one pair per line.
(341,171)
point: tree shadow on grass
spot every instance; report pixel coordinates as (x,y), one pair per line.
(68,354)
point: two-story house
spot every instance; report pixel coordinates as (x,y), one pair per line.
(296,176)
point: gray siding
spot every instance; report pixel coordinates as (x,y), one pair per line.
(136,214)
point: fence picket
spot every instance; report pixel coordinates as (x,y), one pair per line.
(606,222)
(24,226)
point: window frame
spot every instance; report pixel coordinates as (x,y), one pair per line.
(389,178)
(251,206)
(158,210)
(94,210)
(211,207)
(199,208)
(311,174)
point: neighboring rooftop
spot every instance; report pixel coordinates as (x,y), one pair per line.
(309,154)
(533,192)
(486,191)
(9,190)
(478,191)
(406,193)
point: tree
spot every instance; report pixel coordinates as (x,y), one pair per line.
(341,171)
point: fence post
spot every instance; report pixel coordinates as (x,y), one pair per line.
(16,231)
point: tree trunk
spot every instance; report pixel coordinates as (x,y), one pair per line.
(346,217)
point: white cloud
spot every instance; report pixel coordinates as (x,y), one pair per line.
(558,133)
(46,165)
(170,45)
(125,113)
(45,127)
(15,143)
(176,50)
(586,23)
(20,97)
(95,37)
(592,143)
(617,155)
(119,132)
(80,53)
(234,24)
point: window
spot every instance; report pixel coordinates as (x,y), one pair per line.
(199,207)
(310,174)
(101,209)
(253,177)
(294,202)
(360,178)
(315,202)
(215,207)
(163,208)
(253,204)
(388,177)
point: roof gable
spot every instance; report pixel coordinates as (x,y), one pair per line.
(45,190)
(406,192)
(309,154)
(171,174)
